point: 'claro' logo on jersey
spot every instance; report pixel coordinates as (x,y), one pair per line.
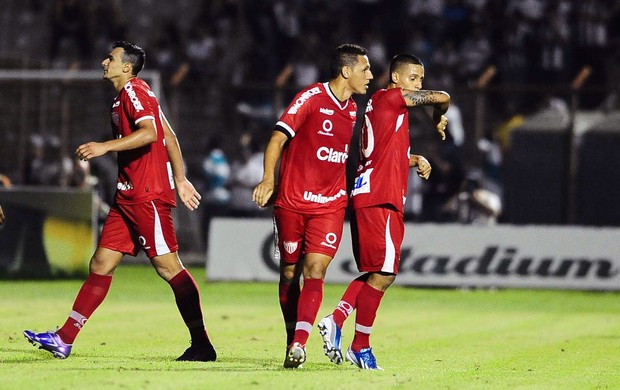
(302,99)
(333,156)
(133,97)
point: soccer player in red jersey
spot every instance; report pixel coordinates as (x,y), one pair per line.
(377,200)
(150,166)
(311,140)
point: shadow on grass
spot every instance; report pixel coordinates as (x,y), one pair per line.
(88,362)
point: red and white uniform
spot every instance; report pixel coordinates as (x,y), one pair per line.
(145,173)
(383,170)
(313,164)
(380,188)
(312,194)
(140,217)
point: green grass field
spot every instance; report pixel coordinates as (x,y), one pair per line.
(423,338)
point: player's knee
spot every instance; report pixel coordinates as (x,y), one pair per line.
(381,281)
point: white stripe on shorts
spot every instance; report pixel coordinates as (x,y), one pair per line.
(161,247)
(390,251)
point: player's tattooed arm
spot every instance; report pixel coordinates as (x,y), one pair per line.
(425,97)
(438,99)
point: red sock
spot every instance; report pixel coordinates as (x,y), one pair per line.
(90,296)
(368,301)
(188,301)
(310,300)
(289,296)
(347,302)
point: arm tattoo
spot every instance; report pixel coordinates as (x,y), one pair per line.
(421,98)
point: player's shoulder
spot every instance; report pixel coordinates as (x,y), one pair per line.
(389,96)
(306,98)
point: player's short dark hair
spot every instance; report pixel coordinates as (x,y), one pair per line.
(401,60)
(345,55)
(133,54)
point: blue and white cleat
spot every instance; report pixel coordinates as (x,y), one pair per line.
(331,339)
(50,342)
(364,359)
(295,356)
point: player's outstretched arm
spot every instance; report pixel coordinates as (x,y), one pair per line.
(264,191)
(186,190)
(440,101)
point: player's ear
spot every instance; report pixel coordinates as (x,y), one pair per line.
(394,77)
(345,72)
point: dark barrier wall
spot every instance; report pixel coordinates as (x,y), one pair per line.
(48,232)
(535,171)
(598,175)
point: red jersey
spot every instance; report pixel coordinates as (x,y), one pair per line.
(383,169)
(145,173)
(312,176)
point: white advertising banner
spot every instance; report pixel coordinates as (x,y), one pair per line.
(451,255)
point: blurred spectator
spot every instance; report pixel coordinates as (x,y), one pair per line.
(476,204)
(247,172)
(554,43)
(592,41)
(70,31)
(5,181)
(202,52)
(44,165)
(455,125)
(300,71)
(444,183)
(216,171)
(475,53)
(170,57)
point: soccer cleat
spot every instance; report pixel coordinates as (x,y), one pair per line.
(331,339)
(50,342)
(364,359)
(196,353)
(295,356)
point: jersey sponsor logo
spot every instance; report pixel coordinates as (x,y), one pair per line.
(133,97)
(290,247)
(126,186)
(327,127)
(333,156)
(322,199)
(362,183)
(326,111)
(302,99)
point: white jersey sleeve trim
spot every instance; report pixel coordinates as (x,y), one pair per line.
(286,127)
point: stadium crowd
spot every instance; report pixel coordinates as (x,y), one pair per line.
(234,63)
